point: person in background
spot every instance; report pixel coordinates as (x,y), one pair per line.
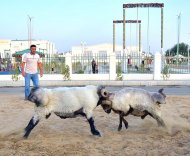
(30,64)
(93,66)
(96,68)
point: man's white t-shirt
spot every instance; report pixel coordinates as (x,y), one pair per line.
(31,66)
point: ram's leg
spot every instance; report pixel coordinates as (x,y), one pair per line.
(121,118)
(159,120)
(32,123)
(94,131)
(123,114)
(80,112)
(120,122)
(125,123)
(146,113)
(90,119)
(48,115)
(39,114)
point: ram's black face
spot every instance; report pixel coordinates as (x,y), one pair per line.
(161,97)
(106,108)
(35,96)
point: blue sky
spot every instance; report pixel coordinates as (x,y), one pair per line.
(67,23)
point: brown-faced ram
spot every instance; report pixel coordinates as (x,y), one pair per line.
(135,101)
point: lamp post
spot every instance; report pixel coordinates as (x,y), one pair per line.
(30,30)
(178,34)
(188,63)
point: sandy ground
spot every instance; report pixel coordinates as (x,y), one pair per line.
(55,136)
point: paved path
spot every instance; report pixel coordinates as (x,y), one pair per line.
(169,90)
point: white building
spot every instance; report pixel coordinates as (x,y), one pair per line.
(9,47)
(103,49)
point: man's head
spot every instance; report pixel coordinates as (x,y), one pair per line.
(33,49)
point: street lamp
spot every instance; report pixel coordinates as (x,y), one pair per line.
(188,50)
(30,30)
(178,34)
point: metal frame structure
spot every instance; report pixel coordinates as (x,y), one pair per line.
(143,5)
(126,21)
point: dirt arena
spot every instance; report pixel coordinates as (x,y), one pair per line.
(59,137)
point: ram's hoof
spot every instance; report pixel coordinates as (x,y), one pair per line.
(96,133)
(119,128)
(126,125)
(25,136)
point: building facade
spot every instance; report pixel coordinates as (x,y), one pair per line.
(103,49)
(9,47)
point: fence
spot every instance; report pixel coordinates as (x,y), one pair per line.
(82,64)
(51,65)
(174,65)
(134,64)
(131,67)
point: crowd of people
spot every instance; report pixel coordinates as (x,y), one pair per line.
(6,66)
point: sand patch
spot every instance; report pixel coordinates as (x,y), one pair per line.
(56,136)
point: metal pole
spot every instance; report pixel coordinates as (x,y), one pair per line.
(148,33)
(122,64)
(139,36)
(123,29)
(188,59)
(30,30)
(137,49)
(130,39)
(162,23)
(28,25)
(178,35)
(169,52)
(113,37)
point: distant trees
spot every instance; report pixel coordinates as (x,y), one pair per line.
(183,50)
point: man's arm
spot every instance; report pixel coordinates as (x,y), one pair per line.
(22,68)
(40,66)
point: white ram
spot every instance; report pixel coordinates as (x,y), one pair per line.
(65,102)
(137,102)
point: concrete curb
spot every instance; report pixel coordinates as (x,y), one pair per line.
(20,83)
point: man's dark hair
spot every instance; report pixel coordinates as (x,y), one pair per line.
(32,46)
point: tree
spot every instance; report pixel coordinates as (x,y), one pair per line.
(183,50)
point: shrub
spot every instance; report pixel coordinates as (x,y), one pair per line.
(66,72)
(165,72)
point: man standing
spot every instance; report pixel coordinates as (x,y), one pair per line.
(93,66)
(30,64)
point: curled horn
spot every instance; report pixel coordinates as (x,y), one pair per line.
(104,92)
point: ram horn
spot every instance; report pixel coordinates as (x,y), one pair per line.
(104,92)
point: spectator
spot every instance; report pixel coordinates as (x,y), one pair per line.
(96,68)
(93,66)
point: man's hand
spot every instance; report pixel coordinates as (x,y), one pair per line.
(41,68)
(23,74)
(41,73)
